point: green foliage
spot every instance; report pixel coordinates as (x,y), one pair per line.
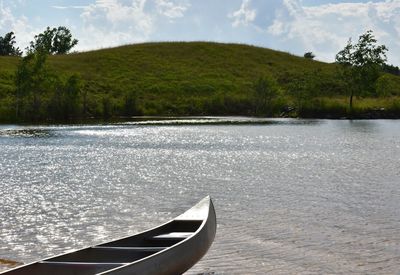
(31,81)
(361,65)
(130,104)
(391,69)
(53,41)
(107,107)
(388,85)
(266,89)
(65,99)
(303,87)
(323,108)
(7,45)
(309,55)
(394,107)
(194,78)
(41,94)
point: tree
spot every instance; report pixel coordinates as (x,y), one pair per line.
(360,65)
(130,104)
(64,102)
(41,93)
(7,45)
(309,55)
(53,41)
(266,89)
(31,81)
(303,87)
(107,107)
(72,88)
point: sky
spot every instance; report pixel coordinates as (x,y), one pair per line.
(295,26)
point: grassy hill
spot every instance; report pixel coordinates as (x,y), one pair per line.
(195,78)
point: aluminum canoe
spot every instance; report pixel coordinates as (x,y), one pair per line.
(169,249)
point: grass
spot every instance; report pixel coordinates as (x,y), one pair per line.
(187,78)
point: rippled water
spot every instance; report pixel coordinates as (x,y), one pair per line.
(292,196)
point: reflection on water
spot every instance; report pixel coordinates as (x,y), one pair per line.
(363,125)
(292,196)
(219,121)
(26,133)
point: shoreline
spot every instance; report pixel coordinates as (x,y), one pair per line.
(378,115)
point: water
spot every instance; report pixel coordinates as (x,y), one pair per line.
(292,196)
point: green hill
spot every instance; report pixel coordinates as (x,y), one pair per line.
(194,78)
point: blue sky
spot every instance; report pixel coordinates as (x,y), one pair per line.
(295,26)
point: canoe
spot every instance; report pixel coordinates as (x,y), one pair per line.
(171,248)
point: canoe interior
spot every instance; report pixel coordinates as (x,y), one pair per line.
(63,269)
(147,238)
(114,254)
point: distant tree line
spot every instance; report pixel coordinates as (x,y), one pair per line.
(361,71)
(361,68)
(361,65)
(391,69)
(41,93)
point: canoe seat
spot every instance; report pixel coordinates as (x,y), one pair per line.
(173,236)
(132,248)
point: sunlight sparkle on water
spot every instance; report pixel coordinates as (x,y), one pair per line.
(292,196)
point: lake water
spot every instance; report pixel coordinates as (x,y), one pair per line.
(292,196)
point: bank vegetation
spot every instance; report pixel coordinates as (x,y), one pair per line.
(194,78)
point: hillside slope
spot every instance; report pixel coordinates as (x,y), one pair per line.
(180,78)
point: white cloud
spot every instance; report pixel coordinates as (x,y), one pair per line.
(109,23)
(116,11)
(244,15)
(324,29)
(286,25)
(21,27)
(172,9)
(68,7)
(5,15)
(115,22)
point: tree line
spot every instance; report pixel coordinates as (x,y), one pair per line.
(50,41)
(42,94)
(360,69)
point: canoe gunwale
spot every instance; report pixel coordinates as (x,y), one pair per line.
(205,220)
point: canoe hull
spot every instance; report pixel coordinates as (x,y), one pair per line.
(169,249)
(178,259)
